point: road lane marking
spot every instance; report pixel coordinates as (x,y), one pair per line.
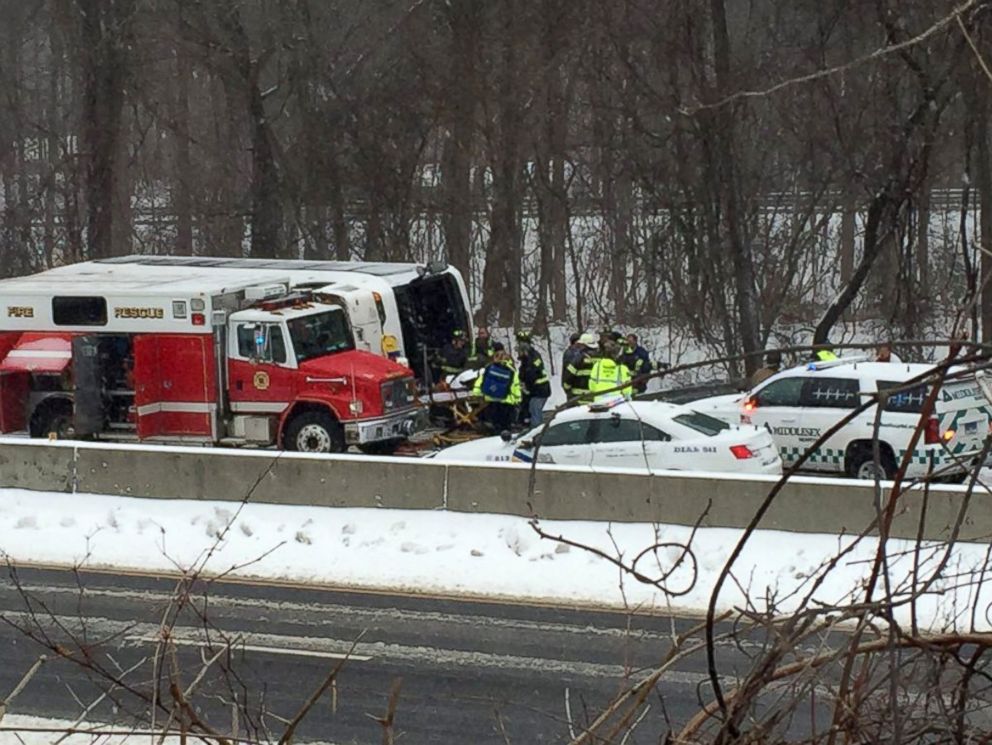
(226,608)
(611,608)
(361,613)
(376,652)
(133,633)
(238,646)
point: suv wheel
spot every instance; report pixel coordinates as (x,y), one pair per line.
(861,464)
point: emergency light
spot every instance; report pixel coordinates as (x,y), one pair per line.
(264,292)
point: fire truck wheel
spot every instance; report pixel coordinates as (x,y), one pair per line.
(53,418)
(314,432)
(385,447)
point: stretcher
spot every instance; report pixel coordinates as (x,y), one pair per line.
(455,413)
(454,409)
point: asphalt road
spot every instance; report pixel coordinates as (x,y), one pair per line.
(467,672)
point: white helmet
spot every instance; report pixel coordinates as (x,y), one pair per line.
(588,340)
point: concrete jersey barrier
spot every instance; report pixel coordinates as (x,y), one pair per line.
(561,493)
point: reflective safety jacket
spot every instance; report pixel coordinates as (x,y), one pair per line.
(452,360)
(575,376)
(534,375)
(513,396)
(637,360)
(825,355)
(607,374)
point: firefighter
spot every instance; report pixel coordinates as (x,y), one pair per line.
(607,373)
(823,353)
(482,353)
(885,353)
(534,378)
(605,337)
(575,376)
(773,363)
(637,360)
(499,385)
(571,354)
(454,355)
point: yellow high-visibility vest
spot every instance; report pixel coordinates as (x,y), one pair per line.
(607,374)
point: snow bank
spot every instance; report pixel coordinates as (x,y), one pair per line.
(442,552)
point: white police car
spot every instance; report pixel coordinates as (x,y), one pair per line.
(632,434)
(800,404)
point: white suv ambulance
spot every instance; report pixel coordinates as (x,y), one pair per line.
(800,404)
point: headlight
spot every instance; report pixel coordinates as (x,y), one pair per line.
(398,393)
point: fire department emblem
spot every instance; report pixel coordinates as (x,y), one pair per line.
(261,380)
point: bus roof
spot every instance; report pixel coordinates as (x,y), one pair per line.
(198,275)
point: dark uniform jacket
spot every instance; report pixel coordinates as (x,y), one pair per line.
(453,360)
(638,361)
(575,376)
(534,375)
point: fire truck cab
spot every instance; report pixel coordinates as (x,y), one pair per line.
(128,350)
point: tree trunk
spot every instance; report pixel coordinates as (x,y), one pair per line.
(847,228)
(882,213)
(923,243)
(339,221)
(748,311)
(464,20)
(983,185)
(105,38)
(266,205)
(501,278)
(182,180)
(550,186)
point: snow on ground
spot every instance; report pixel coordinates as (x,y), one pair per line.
(447,552)
(25,730)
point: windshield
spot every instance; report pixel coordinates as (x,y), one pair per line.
(320,334)
(707,425)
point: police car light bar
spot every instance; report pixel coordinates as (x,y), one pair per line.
(606,405)
(827,364)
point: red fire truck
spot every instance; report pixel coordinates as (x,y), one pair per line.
(214,351)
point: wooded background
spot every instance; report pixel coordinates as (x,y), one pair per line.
(725,166)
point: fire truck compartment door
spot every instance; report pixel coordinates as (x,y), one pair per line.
(14,386)
(363,316)
(34,353)
(87,383)
(175,385)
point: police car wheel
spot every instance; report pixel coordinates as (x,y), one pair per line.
(314,432)
(861,465)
